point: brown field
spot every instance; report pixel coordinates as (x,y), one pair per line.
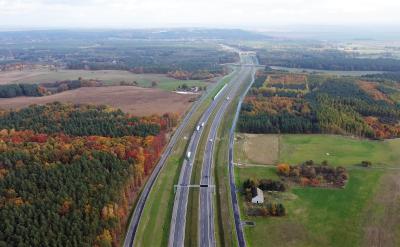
(257,149)
(15,76)
(382,216)
(46,76)
(135,100)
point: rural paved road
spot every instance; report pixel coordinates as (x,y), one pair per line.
(136,216)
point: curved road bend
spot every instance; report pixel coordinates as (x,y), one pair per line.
(178,220)
(136,216)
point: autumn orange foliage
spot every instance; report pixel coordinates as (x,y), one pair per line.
(283,169)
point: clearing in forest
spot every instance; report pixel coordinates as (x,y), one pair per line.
(135,100)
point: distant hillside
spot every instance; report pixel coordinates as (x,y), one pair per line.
(102,35)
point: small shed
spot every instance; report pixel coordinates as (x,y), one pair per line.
(259,198)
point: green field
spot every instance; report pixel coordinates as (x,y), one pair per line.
(106,76)
(344,151)
(331,217)
(316,217)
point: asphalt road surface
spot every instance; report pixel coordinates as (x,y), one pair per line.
(206,221)
(136,216)
(206,211)
(234,200)
(178,220)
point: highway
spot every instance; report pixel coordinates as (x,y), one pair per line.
(206,210)
(234,200)
(137,213)
(206,220)
(178,220)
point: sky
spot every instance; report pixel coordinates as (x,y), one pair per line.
(199,13)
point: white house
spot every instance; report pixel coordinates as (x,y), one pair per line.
(259,198)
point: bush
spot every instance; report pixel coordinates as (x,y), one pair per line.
(366,163)
(283,169)
(270,185)
(311,174)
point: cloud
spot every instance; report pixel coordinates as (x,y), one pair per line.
(133,13)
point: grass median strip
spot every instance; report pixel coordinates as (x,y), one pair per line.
(154,226)
(226,233)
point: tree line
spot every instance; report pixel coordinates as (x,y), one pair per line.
(15,90)
(84,120)
(325,60)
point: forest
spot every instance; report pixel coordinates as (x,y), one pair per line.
(392,76)
(42,89)
(325,60)
(322,104)
(65,187)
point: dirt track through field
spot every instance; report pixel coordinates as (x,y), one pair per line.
(139,101)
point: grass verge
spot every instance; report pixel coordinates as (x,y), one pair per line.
(153,229)
(226,233)
(192,217)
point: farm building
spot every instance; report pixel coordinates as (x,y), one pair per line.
(259,198)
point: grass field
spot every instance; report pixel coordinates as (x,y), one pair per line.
(294,149)
(342,151)
(382,216)
(105,76)
(364,213)
(256,149)
(316,217)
